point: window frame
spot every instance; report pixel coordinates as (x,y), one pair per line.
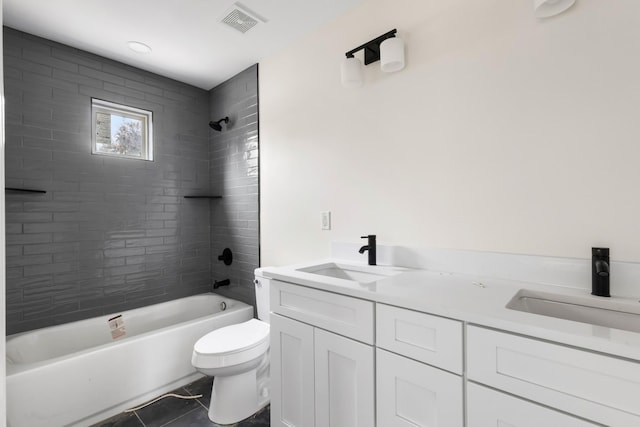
(144,116)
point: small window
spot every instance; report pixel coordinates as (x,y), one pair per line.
(121,131)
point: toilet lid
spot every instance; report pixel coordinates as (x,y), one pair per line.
(233,338)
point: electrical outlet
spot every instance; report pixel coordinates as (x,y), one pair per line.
(326,220)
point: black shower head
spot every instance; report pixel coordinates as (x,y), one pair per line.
(217,126)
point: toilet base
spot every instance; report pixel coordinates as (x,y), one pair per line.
(237,397)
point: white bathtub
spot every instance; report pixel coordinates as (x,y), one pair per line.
(77,374)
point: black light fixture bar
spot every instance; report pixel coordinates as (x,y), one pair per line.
(372,48)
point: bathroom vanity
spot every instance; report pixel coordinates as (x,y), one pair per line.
(357,345)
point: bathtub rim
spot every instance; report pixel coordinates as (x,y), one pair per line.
(13,368)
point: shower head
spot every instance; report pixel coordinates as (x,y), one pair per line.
(217,126)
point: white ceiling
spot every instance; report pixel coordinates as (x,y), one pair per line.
(189,42)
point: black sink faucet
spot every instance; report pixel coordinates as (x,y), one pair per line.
(600,272)
(371,247)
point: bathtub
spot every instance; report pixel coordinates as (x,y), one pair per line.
(83,372)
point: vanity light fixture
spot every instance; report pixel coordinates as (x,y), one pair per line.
(351,72)
(387,48)
(392,55)
(548,8)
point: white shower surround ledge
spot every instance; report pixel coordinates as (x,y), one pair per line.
(475,287)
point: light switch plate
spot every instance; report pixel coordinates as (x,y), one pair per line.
(326,220)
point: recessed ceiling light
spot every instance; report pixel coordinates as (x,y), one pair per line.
(139,47)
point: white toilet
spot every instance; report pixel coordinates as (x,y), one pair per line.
(238,357)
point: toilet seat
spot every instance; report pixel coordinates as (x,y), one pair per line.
(232,345)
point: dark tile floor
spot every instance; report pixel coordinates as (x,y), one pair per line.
(173,412)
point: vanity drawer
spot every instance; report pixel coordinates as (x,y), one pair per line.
(348,316)
(591,385)
(487,407)
(420,336)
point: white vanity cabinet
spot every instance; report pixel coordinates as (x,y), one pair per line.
(322,359)
(419,365)
(341,361)
(590,385)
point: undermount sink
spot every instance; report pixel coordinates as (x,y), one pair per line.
(358,273)
(585,309)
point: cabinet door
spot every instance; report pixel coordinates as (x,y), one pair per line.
(292,388)
(486,407)
(590,385)
(344,382)
(411,394)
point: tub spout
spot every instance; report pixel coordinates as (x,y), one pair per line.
(217,284)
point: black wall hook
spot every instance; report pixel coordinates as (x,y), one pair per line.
(226,257)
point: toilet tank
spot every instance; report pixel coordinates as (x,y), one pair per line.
(262,285)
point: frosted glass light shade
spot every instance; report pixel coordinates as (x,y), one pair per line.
(548,8)
(392,55)
(351,71)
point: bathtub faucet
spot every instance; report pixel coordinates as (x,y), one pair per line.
(225,282)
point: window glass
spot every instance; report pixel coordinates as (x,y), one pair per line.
(122,131)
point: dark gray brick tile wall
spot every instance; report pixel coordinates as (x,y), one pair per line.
(110,234)
(234,175)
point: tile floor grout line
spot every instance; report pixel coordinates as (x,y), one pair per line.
(202,404)
(181,416)
(139,419)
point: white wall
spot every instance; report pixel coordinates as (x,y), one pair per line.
(504,132)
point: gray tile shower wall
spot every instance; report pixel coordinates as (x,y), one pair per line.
(110,234)
(234,175)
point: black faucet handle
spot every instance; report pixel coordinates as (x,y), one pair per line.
(600,252)
(369,236)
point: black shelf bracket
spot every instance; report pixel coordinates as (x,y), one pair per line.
(203,197)
(23,190)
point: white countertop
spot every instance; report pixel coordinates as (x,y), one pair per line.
(474,299)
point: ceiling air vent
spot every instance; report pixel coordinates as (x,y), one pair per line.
(241,18)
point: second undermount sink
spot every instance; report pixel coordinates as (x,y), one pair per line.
(585,309)
(358,273)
